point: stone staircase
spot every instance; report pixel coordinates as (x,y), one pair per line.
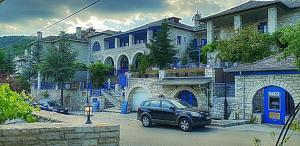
(108,104)
(112,101)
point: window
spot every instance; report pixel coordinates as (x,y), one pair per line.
(258,102)
(184,39)
(178,40)
(263,27)
(96,46)
(166,104)
(155,103)
(146,103)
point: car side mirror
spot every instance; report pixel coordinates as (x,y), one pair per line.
(172,108)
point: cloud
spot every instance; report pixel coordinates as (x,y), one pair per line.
(24,17)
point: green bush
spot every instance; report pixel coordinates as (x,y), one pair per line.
(15,105)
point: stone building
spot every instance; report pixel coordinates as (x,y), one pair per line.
(257,87)
(268,89)
(123,48)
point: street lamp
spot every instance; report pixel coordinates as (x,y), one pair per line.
(88,112)
(88,109)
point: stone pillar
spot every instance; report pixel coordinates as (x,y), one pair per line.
(272,19)
(39,35)
(131,40)
(39,80)
(78,33)
(149,35)
(161,74)
(210,32)
(237,20)
(117,42)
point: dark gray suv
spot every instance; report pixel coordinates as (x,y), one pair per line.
(172,112)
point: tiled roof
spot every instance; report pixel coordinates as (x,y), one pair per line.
(252,5)
(170,21)
(292,3)
(271,63)
(184,81)
(109,32)
(71,37)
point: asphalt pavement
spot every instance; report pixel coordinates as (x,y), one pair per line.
(134,134)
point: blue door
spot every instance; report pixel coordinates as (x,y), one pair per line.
(188,97)
(123,80)
(274,105)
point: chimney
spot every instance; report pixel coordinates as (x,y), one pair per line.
(78,33)
(62,33)
(39,35)
(196,19)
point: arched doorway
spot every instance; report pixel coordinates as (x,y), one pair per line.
(188,97)
(274,103)
(123,62)
(138,95)
(109,61)
(136,59)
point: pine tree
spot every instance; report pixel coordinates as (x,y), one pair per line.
(59,64)
(161,48)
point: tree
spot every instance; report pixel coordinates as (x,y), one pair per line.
(14,105)
(246,46)
(192,52)
(58,64)
(6,66)
(99,73)
(161,48)
(144,63)
(290,37)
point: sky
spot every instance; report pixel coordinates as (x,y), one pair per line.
(25,17)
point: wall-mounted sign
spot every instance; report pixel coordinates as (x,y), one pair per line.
(274,116)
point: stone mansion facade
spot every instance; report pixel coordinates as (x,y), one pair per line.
(257,89)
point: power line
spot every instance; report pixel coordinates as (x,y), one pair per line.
(59,21)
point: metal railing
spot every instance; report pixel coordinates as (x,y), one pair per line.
(222,89)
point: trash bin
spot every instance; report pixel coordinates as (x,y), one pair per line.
(96,105)
(124,107)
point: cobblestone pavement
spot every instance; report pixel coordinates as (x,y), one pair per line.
(134,134)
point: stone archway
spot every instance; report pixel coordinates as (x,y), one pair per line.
(177,91)
(129,94)
(135,59)
(252,92)
(273,103)
(252,85)
(123,62)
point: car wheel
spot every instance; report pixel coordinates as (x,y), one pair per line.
(185,125)
(146,121)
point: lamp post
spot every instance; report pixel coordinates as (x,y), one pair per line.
(88,109)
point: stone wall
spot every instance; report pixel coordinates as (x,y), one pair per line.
(73,99)
(168,91)
(253,83)
(59,134)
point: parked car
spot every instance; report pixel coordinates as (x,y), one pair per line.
(172,112)
(51,105)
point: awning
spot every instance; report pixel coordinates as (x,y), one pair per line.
(184,81)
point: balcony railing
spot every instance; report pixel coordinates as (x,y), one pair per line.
(222,89)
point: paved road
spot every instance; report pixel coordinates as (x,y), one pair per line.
(134,134)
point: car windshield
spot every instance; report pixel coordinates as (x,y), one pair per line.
(52,103)
(180,104)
